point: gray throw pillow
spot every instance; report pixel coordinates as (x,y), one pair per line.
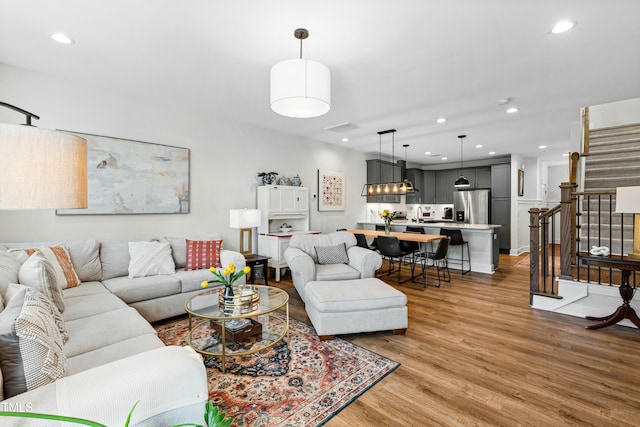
(332,254)
(31,352)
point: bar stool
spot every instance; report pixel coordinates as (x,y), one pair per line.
(456,239)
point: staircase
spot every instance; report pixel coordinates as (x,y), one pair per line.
(613,161)
(614,158)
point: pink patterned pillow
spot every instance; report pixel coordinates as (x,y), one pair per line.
(203,254)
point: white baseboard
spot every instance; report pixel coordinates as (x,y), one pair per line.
(584,299)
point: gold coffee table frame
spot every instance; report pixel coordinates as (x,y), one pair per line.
(205,306)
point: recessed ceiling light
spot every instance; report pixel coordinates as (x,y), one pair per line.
(479,146)
(542,147)
(563,27)
(427,153)
(443,158)
(441,120)
(512,110)
(491,153)
(345,139)
(62,38)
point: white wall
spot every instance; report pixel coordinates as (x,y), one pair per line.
(614,114)
(225,158)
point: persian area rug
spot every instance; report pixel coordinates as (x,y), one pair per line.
(302,383)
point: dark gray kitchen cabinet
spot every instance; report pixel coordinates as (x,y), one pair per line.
(416,178)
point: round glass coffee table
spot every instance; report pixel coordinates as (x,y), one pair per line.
(243,332)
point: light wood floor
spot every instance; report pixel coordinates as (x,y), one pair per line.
(475,354)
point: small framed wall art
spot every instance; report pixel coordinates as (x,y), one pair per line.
(133,177)
(520,182)
(331,190)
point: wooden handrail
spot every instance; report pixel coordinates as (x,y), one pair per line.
(550,212)
(585,131)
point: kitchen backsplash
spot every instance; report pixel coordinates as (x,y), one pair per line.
(436,210)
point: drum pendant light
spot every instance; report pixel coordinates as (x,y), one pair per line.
(300,88)
(461,182)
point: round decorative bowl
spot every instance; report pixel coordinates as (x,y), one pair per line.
(285,229)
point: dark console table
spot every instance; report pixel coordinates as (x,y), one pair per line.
(625,311)
(253,260)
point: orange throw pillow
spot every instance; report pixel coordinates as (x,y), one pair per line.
(203,254)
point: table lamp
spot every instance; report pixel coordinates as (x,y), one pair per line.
(628,201)
(245,220)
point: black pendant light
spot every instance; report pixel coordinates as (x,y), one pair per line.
(461,182)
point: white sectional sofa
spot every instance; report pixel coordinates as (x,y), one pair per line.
(113,356)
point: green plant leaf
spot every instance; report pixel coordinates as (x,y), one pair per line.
(126,423)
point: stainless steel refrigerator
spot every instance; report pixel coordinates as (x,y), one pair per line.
(472,206)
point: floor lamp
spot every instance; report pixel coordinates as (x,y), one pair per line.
(628,201)
(245,220)
(43,169)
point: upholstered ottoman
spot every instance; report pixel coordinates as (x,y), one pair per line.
(352,306)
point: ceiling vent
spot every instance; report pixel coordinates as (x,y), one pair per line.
(342,127)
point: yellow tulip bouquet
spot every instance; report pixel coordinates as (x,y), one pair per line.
(228,276)
(388,217)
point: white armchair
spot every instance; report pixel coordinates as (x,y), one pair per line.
(302,259)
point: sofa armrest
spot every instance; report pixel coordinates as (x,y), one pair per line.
(227,256)
(163,380)
(302,266)
(364,260)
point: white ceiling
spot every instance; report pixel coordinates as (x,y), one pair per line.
(395,64)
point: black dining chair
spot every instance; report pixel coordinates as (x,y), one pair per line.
(389,247)
(374,243)
(457,240)
(411,248)
(438,260)
(361,241)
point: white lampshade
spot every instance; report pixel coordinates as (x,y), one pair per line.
(41,169)
(300,88)
(244,218)
(628,200)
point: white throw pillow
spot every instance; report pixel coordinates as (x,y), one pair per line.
(9,267)
(150,259)
(38,273)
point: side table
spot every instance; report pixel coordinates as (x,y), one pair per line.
(625,311)
(253,260)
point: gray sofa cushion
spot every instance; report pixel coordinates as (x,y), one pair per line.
(143,288)
(91,305)
(113,352)
(192,279)
(114,255)
(85,257)
(336,272)
(94,332)
(88,288)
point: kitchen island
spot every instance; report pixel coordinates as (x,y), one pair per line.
(482,238)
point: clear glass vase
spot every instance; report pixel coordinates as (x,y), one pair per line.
(387,228)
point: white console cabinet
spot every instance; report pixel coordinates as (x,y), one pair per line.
(280,204)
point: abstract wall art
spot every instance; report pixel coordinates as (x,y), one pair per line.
(133,177)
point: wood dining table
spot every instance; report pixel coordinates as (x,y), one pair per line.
(401,235)
(409,237)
